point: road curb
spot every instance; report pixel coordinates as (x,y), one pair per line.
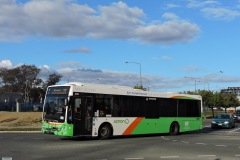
(20,132)
(20,129)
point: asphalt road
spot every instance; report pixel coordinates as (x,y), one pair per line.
(217,144)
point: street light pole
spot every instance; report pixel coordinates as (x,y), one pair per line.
(213,74)
(194,80)
(204,84)
(209,76)
(140,75)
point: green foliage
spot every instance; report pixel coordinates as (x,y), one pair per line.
(23,79)
(229,100)
(139,87)
(213,100)
(18,79)
(52,80)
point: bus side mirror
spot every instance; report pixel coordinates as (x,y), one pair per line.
(65,102)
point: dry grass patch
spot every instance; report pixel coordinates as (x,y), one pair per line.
(15,119)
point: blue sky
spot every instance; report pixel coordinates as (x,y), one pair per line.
(90,41)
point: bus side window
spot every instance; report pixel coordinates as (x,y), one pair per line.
(102,110)
(103,105)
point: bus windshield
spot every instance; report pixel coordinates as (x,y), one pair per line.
(54,109)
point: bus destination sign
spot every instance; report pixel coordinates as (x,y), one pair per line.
(58,90)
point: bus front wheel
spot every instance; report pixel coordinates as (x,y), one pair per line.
(174,129)
(105,131)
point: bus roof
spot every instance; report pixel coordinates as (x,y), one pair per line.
(97,85)
(122,90)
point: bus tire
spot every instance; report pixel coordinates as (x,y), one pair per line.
(174,129)
(105,131)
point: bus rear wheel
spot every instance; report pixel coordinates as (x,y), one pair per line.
(105,131)
(174,129)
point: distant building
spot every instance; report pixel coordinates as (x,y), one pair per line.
(235,90)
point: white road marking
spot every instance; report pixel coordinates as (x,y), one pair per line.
(174,140)
(135,158)
(184,142)
(165,138)
(220,145)
(201,143)
(169,157)
(206,156)
(234,130)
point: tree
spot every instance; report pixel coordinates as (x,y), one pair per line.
(207,97)
(24,79)
(9,79)
(38,93)
(217,101)
(229,100)
(139,87)
(52,80)
(213,100)
(19,79)
(28,75)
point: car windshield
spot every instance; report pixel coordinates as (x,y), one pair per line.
(222,116)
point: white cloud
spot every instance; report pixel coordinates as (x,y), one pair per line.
(70,64)
(169,32)
(88,75)
(85,74)
(170,16)
(191,68)
(66,18)
(45,71)
(166,57)
(220,13)
(218,10)
(171,5)
(6,64)
(79,50)
(201,3)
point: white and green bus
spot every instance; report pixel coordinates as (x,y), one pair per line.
(95,110)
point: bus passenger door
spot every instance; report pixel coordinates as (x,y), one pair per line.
(83,116)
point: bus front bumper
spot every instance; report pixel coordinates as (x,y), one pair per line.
(60,130)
